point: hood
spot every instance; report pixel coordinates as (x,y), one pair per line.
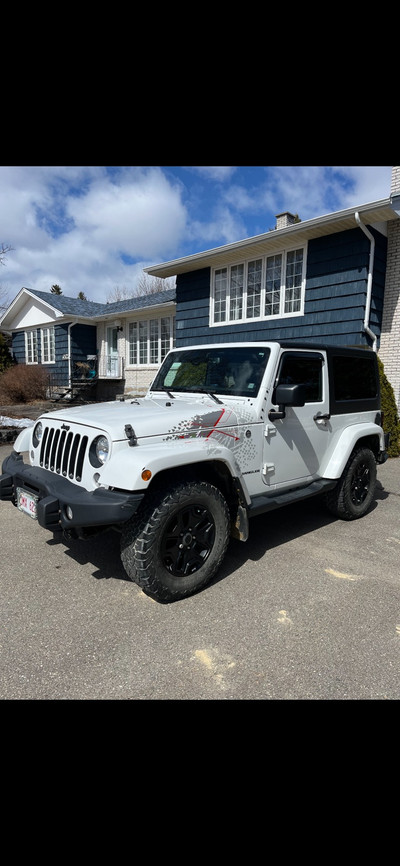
(150,416)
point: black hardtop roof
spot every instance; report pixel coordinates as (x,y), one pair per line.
(330,348)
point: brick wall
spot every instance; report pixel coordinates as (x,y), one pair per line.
(389,351)
(395,183)
(137,380)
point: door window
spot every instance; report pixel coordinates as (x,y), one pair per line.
(298,369)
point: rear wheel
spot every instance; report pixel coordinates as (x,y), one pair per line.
(353,494)
(175,545)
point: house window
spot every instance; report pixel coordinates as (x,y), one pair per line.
(259,289)
(31,347)
(48,346)
(150,340)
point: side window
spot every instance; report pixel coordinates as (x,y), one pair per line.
(298,369)
(354,378)
(31,347)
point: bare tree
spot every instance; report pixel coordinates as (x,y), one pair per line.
(119,294)
(5,248)
(4,300)
(146,285)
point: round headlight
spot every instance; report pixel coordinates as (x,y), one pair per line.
(99,451)
(37,434)
(102,449)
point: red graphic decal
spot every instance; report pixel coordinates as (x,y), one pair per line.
(214,430)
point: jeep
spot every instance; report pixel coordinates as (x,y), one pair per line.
(225,432)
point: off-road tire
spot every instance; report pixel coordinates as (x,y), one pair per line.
(176,542)
(354,492)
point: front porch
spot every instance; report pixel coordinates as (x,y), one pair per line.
(91,380)
(111,367)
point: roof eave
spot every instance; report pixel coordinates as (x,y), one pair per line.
(119,314)
(319,225)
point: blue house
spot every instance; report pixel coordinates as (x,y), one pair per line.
(115,347)
(333,279)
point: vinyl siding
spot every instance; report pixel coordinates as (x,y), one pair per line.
(335,298)
(83,342)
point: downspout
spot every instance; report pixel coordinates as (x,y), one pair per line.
(367,329)
(71,325)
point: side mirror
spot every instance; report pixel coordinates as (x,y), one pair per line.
(291,395)
(287,395)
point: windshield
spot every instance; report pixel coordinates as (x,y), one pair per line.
(220,370)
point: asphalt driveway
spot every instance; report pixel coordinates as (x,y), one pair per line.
(307,609)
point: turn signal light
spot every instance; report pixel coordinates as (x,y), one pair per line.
(146,475)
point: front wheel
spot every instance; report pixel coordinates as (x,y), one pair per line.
(177,542)
(354,492)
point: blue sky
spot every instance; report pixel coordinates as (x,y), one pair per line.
(94,228)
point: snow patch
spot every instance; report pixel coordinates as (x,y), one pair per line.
(15,422)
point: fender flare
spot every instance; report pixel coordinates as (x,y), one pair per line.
(24,439)
(335,462)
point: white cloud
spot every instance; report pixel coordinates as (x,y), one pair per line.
(139,214)
(133,212)
(92,228)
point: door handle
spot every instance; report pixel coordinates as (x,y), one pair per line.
(320,417)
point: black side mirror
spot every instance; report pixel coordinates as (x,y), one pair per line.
(287,395)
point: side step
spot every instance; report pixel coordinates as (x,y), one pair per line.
(261,504)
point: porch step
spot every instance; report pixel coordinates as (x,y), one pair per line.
(75,393)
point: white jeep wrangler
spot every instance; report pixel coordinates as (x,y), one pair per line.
(225,432)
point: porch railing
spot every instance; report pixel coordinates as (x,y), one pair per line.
(111,367)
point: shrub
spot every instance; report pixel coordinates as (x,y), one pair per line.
(22,384)
(391,422)
(5,356)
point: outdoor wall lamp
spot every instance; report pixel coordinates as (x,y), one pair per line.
(120,328)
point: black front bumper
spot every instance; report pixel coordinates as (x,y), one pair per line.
(99,507)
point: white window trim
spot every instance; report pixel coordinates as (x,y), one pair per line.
(262,317)
(29,344)
(149,365)
(52,360)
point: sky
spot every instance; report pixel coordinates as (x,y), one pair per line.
(92,229)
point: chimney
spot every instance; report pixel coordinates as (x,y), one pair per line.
(283,220)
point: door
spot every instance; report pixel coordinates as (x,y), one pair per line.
(112,367)
(295,445)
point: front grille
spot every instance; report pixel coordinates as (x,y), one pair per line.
(63,452)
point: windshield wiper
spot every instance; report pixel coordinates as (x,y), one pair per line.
(205,391)
(161,388)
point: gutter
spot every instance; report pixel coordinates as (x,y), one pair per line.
(195,261)
(367,329)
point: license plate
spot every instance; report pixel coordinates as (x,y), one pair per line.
(26,502)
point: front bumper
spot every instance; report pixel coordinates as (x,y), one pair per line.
(100,507)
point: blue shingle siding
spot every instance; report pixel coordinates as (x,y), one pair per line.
(83,341)
(18,346)
(61,369)
(335,298)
